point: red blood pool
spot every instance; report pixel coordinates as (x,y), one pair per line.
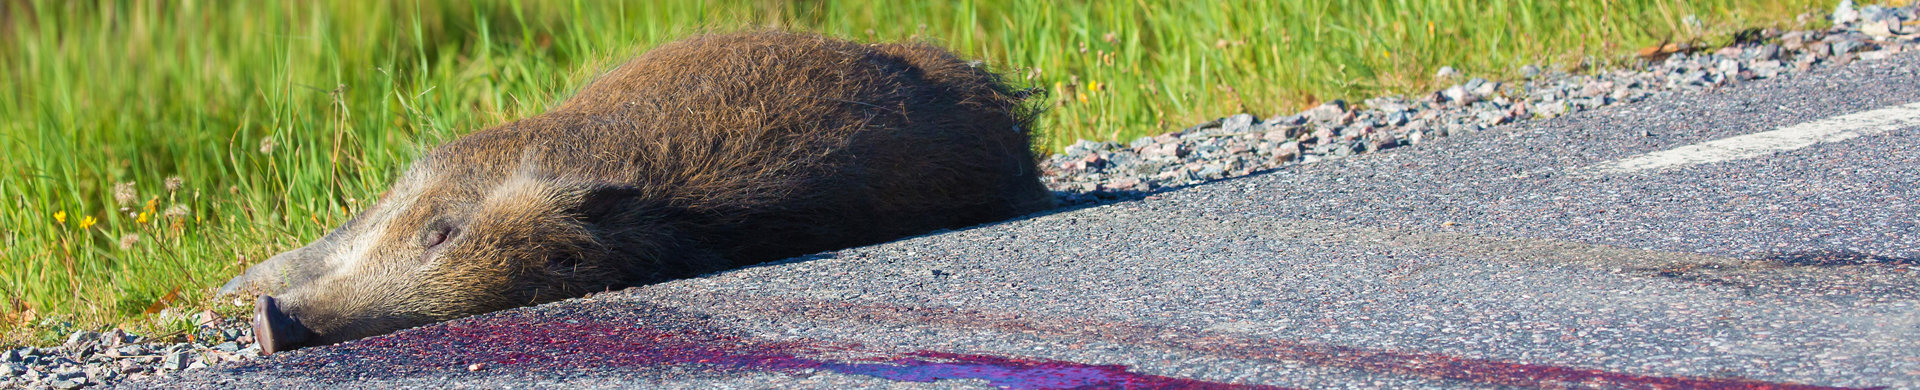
(683,345)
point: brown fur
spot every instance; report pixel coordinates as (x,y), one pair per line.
(705,154)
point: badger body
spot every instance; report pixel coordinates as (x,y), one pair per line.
(705,154)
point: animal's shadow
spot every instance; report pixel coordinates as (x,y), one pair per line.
(1070,201)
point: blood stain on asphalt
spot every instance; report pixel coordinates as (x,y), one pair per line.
(667,342)
(1415,364)
(653,340)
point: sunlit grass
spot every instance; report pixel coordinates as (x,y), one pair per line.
(154,149)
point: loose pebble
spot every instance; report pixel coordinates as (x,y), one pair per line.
(88,359)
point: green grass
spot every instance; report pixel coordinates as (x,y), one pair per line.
(282,118)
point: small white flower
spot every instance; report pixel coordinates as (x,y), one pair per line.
(124,193)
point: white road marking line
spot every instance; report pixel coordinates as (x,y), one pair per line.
(1833,129)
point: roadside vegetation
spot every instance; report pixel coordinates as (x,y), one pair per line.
(154,149)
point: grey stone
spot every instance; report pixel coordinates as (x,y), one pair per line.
(1395,119)
(1794,40)
(1874,13)
(1206,150)
(1819,49)
(1459,95)
(1728,66)
(1482,87)
(227,347)
(1696,78)
(1844,13)
(1212,171)
(1140,142)
(1391,107)
(1530,71)
(1596,88)
(1290,120)
(1278,135)
(9,370)
(1492,117)
(1287,151)
(80,337)
(13,355)
(1764,52)
(1237,123)
(1078,149)
(1804,63)
(1347,149)
(74,374)
(1330,112)
(112,338)
(132,350)
(1846,46)
(1170,150)
(1382,142)
(1767,69)
(1446,72)
(1474,83)
(66,384)
(1203,126)
(175,361)
(1324,134)
(1844,59)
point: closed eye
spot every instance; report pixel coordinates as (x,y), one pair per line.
(437,233)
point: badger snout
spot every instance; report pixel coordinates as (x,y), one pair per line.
(275,330)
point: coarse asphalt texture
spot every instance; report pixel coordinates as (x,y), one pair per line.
(1475,261)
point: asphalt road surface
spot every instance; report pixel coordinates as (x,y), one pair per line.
(1760,236)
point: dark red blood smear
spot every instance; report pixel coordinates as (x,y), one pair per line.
(1416,364)
(666,342)
(536,346)
(1022,374)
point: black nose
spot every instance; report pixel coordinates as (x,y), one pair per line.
(274,329)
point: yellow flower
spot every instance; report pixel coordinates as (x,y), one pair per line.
(141,219)
(60,216)
(86,222)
